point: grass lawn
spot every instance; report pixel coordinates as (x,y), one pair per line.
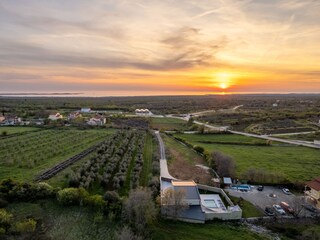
(294,162)
(248,209)
(182,162)
(68,223)
(25,156)
(304,137)
(147,160)
(16,130)
(215,230)
(169,124)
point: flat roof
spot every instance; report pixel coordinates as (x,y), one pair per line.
(184,183)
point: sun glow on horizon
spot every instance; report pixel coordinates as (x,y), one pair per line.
(223,80)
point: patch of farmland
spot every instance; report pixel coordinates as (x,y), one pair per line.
(25,156)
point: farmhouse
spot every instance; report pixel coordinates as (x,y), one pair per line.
(55,117)
(143,112)
(2,118)
(74,115)
(314,192)
(97,121)
(196,207)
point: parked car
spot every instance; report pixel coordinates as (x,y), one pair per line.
(279,209)
(310,208)
(286,191)
(287,207)
(269,211)
(260,188)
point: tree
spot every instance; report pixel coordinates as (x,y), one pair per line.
(139,209)
(225,165)
(126,234)
(172,202)
(201,129)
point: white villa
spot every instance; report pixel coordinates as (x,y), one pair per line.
(143,112)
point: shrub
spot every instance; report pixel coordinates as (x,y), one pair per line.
(5,219)
(71,196)
(95,201)
(26,226)
(199,149)
(111,197)
(3,203)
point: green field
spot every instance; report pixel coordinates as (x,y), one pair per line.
(186,153)
(147,160)
(294,162)
(169,124)
(304,137)
(215,230)
(25,156)
(16,130)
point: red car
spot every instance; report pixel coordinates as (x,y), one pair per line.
(287,207)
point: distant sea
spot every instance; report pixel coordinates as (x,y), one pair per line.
(132,94)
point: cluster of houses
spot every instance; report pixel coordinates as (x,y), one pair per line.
(10,120)
(93,120)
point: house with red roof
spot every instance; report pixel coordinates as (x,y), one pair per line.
(314,192)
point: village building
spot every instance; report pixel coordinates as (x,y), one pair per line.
(314,191)
(55,117)
(97,121)
(74,115)
(10,120)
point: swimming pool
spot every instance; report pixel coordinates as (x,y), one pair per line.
(242,187)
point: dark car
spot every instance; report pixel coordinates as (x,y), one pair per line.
(260,188)
(310,208)
(269,211)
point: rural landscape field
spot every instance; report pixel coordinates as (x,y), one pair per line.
(138,120)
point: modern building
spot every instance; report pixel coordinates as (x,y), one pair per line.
(314,191)
(196,207)
(143,112)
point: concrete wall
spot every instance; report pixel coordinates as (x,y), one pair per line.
(236,215)
(216,190)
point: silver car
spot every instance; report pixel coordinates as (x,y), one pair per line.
(279,209)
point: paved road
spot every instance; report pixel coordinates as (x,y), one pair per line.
(277,139)
(164,172)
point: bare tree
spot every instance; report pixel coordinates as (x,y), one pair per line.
(126,234)
(139,209)
(173,202)
(297,205)
(224,164)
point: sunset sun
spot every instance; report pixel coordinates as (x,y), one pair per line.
(223,80)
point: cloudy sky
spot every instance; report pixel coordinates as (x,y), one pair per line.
(138,47)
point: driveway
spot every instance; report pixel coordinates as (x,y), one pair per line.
(261,199)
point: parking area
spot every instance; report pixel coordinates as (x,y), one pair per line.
(262,199)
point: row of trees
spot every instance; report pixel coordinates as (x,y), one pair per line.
(117,162)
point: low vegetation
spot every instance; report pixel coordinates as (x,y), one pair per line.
(275,163)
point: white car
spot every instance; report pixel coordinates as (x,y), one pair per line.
(286,191)
(279,209)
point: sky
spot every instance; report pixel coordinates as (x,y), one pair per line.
(171,47)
